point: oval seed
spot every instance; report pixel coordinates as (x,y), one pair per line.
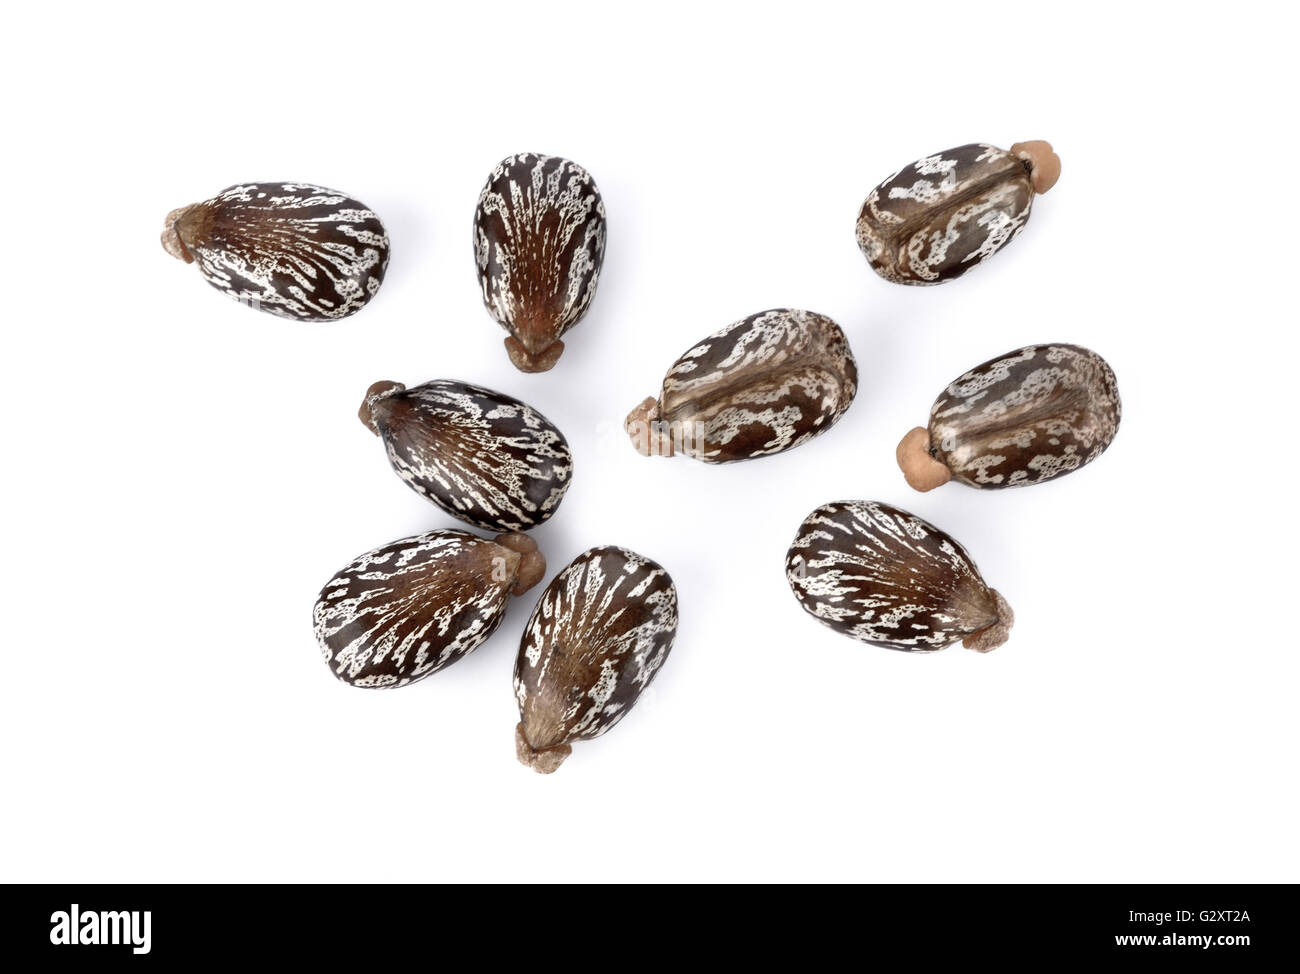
(762,385)
(481,456)
(596,639)
(935,219)
(407,610)
(293,249)
(1022,418)
(539,241)
(889,578)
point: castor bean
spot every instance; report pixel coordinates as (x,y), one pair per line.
(888,578)
(480,455)
(934,220)
(1028,416)
(764,384)
(293,249)
(407,610)
(539,241)
(596,639)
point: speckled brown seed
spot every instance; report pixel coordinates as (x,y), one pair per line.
(762,385)
(1031,415)
(294,249)
(596,639)
(889,578)
(407,610)
(935,219)
(481,456)
(539,242)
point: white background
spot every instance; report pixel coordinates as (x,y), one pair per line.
(182,474)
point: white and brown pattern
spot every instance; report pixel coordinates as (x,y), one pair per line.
(481,456)
(539,241)
(889,578)
(1031,415)
(404,611)
(596,639)
(762,385)
(293,249)
(935,219)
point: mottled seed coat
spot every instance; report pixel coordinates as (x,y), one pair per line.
(407,610)
(293,249)
(762,385)
(596,639)
(889,578)
(539,241)
(481,456)
(1031,415)
(935,219)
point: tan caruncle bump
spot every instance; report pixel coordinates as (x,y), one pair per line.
(1044,164)
(650,437)
(923,471)
(173,240)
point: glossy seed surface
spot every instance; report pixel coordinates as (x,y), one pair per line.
(294,249)
(1022,418)
(597,637)
(407,610)
(480,455)
(539,242)
(886,577)
(935,219)
(762,385)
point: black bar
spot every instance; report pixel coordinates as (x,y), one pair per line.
(383,924)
